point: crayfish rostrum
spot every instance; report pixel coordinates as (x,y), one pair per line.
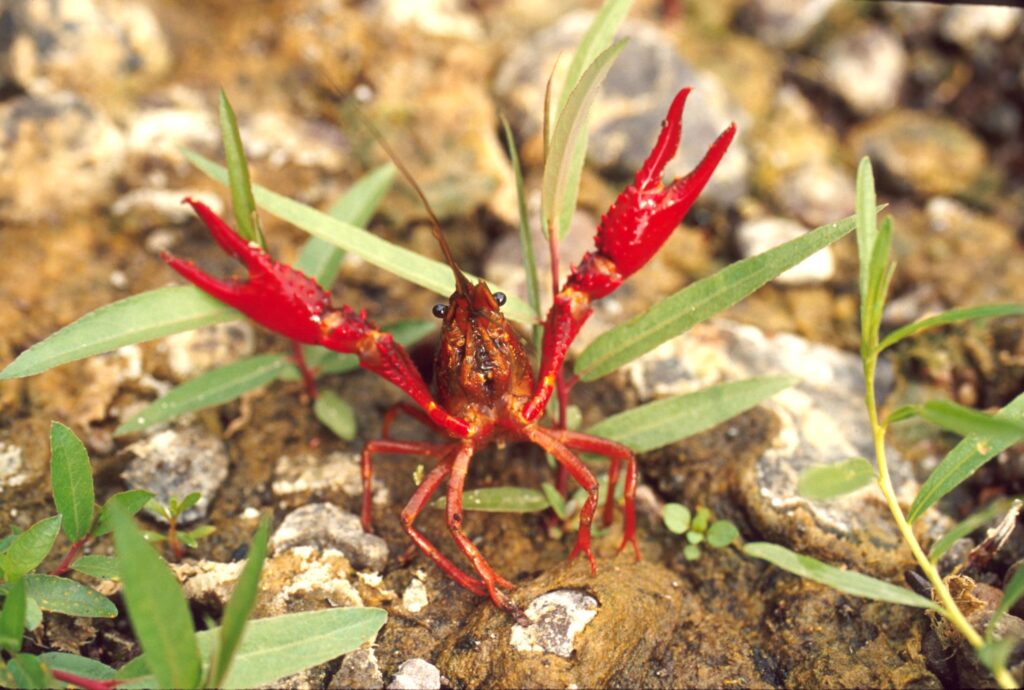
(485,388)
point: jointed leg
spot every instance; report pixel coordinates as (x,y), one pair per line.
(431,450)
(617,453)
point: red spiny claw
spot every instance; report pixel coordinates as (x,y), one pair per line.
(276,296)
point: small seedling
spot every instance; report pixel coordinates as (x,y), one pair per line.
(177,540)
(698,529)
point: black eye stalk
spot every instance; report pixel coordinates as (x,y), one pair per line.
(500,298)
(440,310)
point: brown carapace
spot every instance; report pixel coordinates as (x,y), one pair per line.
(485,388)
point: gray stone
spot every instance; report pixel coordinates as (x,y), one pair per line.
(359,669)
(416,674)
(555,620)
(866,68)
(176,462)
(818,192)
(326,526)
(786,23)
(193,352)
(755,237)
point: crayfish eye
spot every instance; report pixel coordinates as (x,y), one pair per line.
(440,310)
(500,298)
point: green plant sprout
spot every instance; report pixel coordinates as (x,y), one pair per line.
(698,529)
(177,540)
(985,436)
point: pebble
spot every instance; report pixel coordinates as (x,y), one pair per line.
(786,23)
(359,669)
(415,597)
(11,476)
(325,526)
(416,674)
(298,479)
(755,237)
(556,618)
(969,25)
(866,68)
(176,462)
(817,192)
(193,352)
(56,132)
(438,18)
(147,208)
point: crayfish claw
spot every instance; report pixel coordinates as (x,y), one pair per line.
(230,293)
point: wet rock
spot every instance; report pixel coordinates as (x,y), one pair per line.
(326,526)
(555,619)
(359,669)
(627,116)
(931,155)
(818,192)
(866,68)
(175,462)
(299,479)
(42,134)
(416,674)
(636,608)
(758,236)
(90,46)
(968,25)
(193,352)
(786,23)
(144,209)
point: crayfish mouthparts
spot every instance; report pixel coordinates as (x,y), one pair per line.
(486,391)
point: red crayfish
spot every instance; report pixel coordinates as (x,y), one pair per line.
(485,388)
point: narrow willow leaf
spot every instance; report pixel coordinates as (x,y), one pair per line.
(63,595)
(525,236)
(662,422)
(404,263)
(1012,592)
(879,274)
(33,614)
(131,502)
(972,522)
(209,389)
(502,499)
(320,259)
(277,647)
(676,518)
(95,565)
(239,606)
(28,672)
(190,500)
(996,653)
(555,500)
(560,167)
(30,547)
(12,617)
(867,231)
(81,666)
(952,316)
(336,414)
(825,482)
(721,533)
(71,479)
(966,421)
(598,37)
(135,319)
(242,202)
(846,581)
(696,302)
(157,609)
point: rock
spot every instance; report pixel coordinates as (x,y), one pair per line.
(359,669)
(208,583)
(42,134)
(866,68)
(823,420)
(786,23)
(555,619)
(299,479)
(439,18)
(626,117)
(758,236)
(969,25)
(326,526)
(930,154)
(147,208)
(88,46)
(11,476)
(175,462)
(193,352)
(415,597)
(817,192)
(416,674)
(165,124)
(304,578)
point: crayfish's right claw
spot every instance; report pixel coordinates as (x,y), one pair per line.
(230,293)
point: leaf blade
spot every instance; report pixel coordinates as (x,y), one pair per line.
(242,202)
(31,547)
(952,316)
(62,595)
(71,480)
(502,499)
(336,414)
(825,482)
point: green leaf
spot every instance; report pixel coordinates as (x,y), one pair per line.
(33,614)
(525,236)
(81,666)
(246,220)
(676,518)
(12,617)
(239,606)
(187,502)
(321,260)
(966,421)
(694,537)
(502,499)
(28,672)
(30,548)
(691,552)
(134,319)
(209,389)
(555,500)
(94,565)
(277,647)
(562,166)
(130,502)
(987,311)
(662,422)
(867,231)
(721,533)
(700,520)
(972,522)
(880,272)
(159,614)
(825,482)
(696,302)
(404,263)
(846,581)
(63,595)
(1012,592)
(71,478)
(336,414)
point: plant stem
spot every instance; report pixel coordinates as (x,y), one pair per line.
(70,556)
(82,682)
(950,609)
